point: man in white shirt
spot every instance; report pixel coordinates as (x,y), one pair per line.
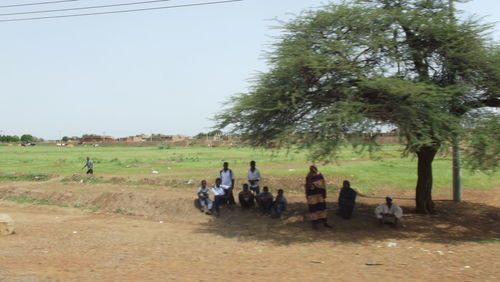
(219,195)
(388,212)
(227,182)
(254,178)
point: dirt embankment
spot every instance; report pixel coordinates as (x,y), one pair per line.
(106,198)
(475,219)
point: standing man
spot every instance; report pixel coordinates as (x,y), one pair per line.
(90,166)
(227,183)
(254,178)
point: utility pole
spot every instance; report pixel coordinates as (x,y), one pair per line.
(457,182)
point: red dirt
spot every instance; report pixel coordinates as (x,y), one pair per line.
(154,233)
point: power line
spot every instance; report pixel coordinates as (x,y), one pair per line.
(35,4)
(122,11)
(84,8)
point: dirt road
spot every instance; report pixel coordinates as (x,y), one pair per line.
(153,233)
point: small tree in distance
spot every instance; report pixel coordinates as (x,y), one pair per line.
(344,70)
(27,138)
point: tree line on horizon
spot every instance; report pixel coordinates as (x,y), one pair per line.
(25,138)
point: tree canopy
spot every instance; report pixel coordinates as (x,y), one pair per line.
(348,69)
(27,138)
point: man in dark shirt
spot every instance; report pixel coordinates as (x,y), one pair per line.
(246,198)
(280,204)
(265,200)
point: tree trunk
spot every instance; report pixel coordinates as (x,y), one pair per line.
(424,183)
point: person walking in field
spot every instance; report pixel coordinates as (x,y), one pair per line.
(89,165)
(315,190)
(227,183)
(253,176)
(389,212)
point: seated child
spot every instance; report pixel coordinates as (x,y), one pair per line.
(205,201)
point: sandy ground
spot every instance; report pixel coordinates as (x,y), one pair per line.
(154,233)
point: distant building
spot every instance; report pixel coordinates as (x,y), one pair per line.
(131,139)
(94,138)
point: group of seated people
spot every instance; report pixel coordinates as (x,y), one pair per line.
(385,213)
(250,196)
(248,199)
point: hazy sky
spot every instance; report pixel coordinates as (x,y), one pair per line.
(163,71)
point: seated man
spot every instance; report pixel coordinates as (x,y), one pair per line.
(219,196)
(389,212)
(279,206)
(205,201)
(265,200)
(247,199)
(347,200)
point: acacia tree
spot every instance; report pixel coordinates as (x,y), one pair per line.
(341,71)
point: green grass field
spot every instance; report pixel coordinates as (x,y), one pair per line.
(384,168)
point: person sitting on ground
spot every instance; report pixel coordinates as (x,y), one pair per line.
(253,176)
(204,199)
(279,206)
(265,200)
(389,212)
(219,196)
(246,198)
(347,200)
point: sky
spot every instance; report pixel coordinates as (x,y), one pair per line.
(160,71)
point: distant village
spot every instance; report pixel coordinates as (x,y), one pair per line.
(213,138)
(144,139)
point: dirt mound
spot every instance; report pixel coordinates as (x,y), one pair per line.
(132,203)
(151,205)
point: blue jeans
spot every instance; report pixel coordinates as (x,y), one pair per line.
(277,210)
(205,202)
